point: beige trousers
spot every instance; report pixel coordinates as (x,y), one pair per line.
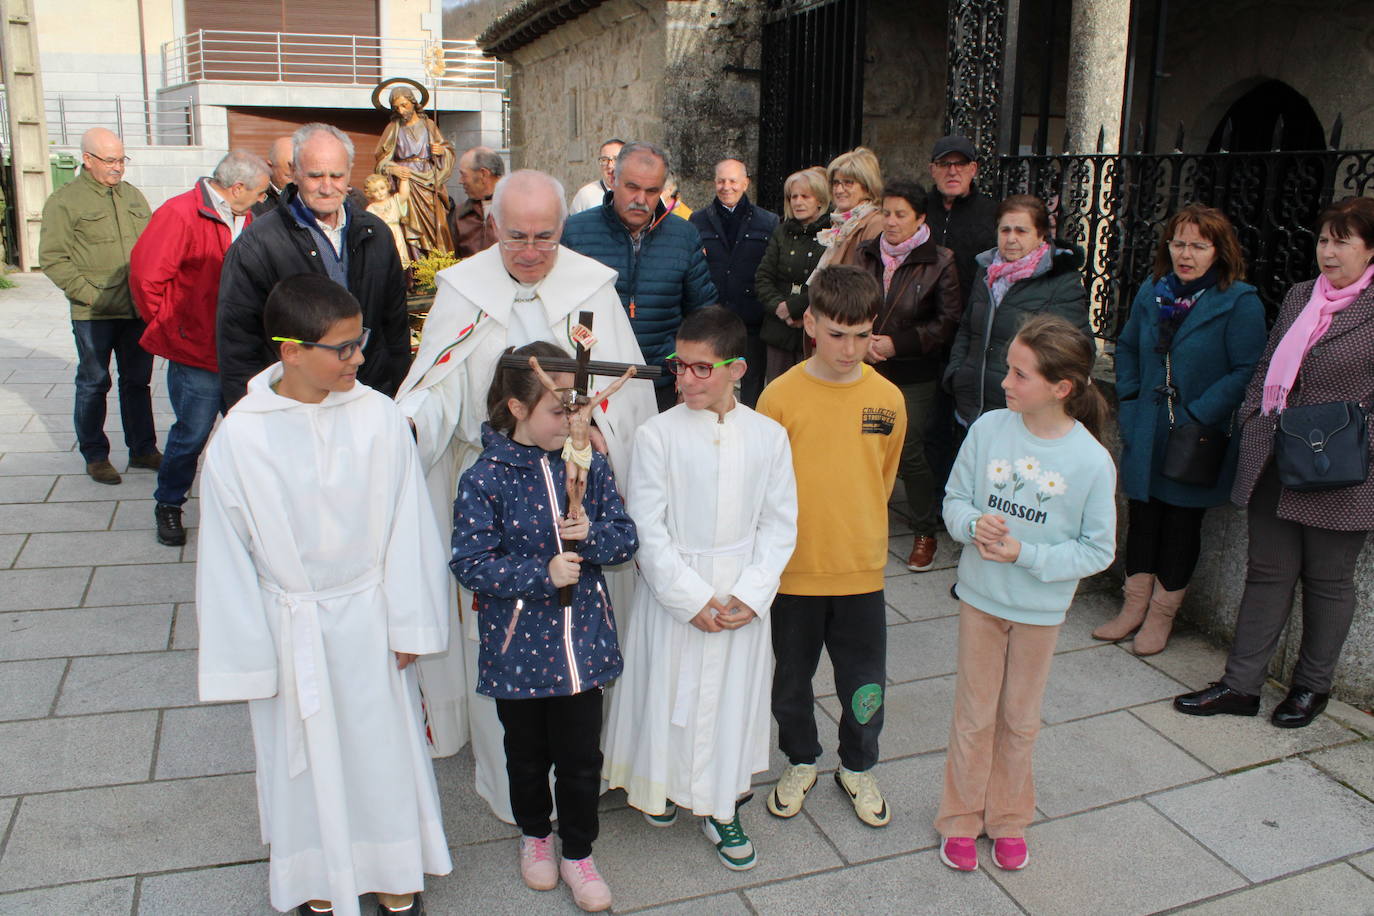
(1003,667)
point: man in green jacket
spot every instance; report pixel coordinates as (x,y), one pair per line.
(89,228)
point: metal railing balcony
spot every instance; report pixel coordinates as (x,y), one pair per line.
(160,122)
(336,60)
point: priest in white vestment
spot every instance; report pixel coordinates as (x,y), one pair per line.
(713,497)
(526,287)
(319,559)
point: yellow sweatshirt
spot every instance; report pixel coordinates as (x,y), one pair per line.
(846,442)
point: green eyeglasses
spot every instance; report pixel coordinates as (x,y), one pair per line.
(700,370)
(345,349)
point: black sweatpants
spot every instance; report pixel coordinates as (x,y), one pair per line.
(563,733)
(853,629)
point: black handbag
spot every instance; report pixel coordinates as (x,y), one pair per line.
(1322,446)
(1194,453)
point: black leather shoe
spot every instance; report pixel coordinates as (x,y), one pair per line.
(169,528)
(1217,699)
(1299,708)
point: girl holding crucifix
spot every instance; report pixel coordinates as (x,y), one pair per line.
(543,660)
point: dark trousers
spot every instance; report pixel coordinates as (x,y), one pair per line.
(196,400)
(96,340)
(1281,552)
(914,468)
(853,629)
(1164,540)
(563,733)
(756,359)
(943,437)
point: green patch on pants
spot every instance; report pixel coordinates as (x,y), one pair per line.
(866,701)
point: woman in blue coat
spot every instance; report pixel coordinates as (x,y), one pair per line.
(1210,326)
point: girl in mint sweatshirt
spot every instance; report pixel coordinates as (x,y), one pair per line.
(1032,497)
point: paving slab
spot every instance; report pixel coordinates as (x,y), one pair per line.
(155,583)
(47,755)
(230,890)
(84,631)
(112,548)
(1351,717)
(26,488)
(138,513)
(1124,860)
(205,741)
(27,688)
(1352,764)
(26,518)
(36,442)
(1364,863)
(927,648)
(10,545)
(13,422)
(66,836)
(911,787)
(685,864)
(139,680)
(35,589)
(1336,890)
(911,885)
(1273,820)
(1092,681)
(916,721)
(30,463)
(1190,658)
(922,596)
(1104,759)
(185,633)
(716,905)
(467,817)
(81,488)
(102,897)
(1230,742)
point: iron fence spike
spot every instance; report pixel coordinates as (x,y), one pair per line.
(1337,127)
(1225,145)
(1101,137)
(1276,143)
(1178,143)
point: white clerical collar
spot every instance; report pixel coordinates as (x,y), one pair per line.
(525,292)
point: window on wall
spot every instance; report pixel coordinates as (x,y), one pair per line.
(574,116)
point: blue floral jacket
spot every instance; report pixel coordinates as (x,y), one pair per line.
(504,534)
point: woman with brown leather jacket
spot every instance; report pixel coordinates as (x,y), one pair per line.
(918,319)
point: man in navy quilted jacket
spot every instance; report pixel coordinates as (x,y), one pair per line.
(663,272)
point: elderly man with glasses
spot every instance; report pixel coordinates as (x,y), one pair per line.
(89,229)
(526,287)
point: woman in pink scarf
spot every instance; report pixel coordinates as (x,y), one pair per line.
(917,322)
(1319,351)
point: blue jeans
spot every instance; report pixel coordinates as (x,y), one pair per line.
(196,401)
(95,341)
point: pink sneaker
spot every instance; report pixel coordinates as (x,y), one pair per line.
(959,853)
(1010,853)
(536,863)
(588,888)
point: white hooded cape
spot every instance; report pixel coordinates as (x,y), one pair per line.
(446,395)
(318,560)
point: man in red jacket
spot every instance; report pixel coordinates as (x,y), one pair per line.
(174,275)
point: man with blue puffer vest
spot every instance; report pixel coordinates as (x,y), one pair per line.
(663,272)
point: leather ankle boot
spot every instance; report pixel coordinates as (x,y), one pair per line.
(1153,634)
(1137,591)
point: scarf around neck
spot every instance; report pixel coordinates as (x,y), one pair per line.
(1311,324)
(1175,299)
(894,255)
(1003,273)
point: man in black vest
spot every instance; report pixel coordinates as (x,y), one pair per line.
(734,236)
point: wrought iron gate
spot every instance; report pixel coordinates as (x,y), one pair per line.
(812,91)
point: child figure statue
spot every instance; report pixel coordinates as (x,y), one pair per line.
(577,450)
(392,209)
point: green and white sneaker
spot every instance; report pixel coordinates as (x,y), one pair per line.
(789,794)
(731,842)
(667,819)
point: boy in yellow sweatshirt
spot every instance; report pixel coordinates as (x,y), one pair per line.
(846,424)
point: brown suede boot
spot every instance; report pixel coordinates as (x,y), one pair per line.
(1137,591)
(1153,635)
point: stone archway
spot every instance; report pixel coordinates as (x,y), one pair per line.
(1253,116)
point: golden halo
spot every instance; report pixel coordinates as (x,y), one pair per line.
(387,85)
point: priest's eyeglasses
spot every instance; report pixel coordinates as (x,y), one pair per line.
(700,370)
(536,244)
(345,349)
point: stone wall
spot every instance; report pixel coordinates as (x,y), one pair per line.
(904,84)
(599,75)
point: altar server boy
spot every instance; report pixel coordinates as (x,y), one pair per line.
(321,577)
(712,493)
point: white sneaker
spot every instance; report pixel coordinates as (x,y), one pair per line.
(862,789)
(789,794)
(732,843)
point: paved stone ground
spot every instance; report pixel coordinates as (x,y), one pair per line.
(120,794)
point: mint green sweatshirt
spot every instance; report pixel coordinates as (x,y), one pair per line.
(1058,497)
